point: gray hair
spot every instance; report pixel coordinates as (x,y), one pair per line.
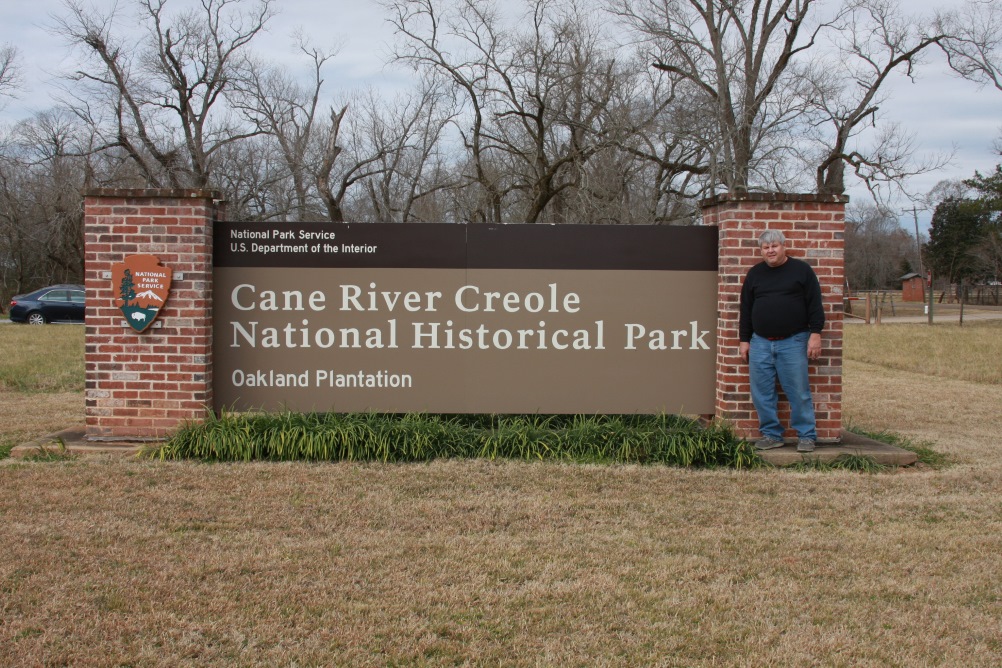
(771,237)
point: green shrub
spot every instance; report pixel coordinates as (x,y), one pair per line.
(845,462)
(640,439)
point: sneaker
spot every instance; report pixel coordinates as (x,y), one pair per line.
(805,445)
(768,443)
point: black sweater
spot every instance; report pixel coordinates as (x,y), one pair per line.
(781,301)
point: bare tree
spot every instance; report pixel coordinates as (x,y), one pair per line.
(382,145)
(556,106)
(162,100)
(43,169)
(537,88)
(671,139)
(349,154)
(413,169)
(738,54)
(873,41)
(255,180)
(429,35)
(775,73)
(973,41)
(11,76)
(877,248)
(286,109)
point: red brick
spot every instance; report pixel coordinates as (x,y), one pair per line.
(815,230)
(175,228)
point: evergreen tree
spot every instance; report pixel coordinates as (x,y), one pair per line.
(955,240)
(128,288)
(989,189)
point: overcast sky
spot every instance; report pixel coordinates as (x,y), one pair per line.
(946,113)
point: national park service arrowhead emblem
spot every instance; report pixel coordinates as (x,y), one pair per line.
(141,287)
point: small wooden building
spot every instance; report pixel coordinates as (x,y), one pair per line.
(912,287)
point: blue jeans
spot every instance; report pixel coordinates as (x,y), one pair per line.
(785,360)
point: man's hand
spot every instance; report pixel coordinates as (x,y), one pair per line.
(744,347)
(814,346)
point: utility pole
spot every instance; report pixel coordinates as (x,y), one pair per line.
(918,240)
(922,272)
(929,307)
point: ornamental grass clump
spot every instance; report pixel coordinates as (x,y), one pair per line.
(638,439)
(846,462)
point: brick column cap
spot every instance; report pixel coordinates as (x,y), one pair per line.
(773,197)
(158,193)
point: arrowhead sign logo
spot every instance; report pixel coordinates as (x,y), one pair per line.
(141,287)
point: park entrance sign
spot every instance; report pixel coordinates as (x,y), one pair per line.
(443,318)
(464,318)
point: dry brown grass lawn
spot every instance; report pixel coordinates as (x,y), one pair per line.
(971,352)
(29,416)
(110,562)
(41,381)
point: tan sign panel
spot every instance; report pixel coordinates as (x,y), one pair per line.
(540,336)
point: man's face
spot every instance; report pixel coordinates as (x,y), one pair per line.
(774,254)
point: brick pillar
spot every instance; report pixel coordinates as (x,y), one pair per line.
(142,385)
(814,228)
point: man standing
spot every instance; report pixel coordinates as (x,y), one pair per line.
(780,329)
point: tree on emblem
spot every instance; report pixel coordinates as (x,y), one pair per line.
(127,291)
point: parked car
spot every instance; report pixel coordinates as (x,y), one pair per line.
(56,303)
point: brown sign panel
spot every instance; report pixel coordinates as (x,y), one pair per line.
(456,319)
